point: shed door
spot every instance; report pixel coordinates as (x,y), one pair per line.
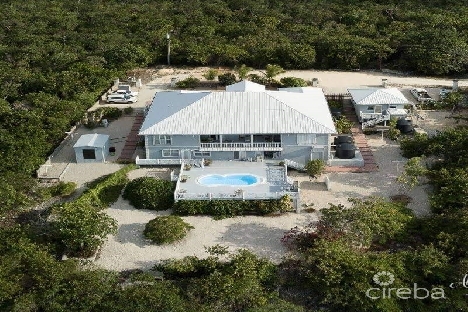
(89,154)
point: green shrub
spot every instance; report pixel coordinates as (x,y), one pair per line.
(63,189)
(415,146)
(128,110)
(150,193)
(81,228)
(220,209)
(211,74)
(166,229)
(257,79)
(393,133)
(315,167)
(110,113)
(226,79)
(290,82)
(188,83)
(335,104)
(343,125)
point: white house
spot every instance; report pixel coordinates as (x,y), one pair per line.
(374,105)
(245,122)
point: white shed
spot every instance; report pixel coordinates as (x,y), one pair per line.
(92,148)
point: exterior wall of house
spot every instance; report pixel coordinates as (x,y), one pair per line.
(295,147)
(370,108)
(301,148)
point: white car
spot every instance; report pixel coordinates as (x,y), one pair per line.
(121,98)
(126,92)
(421,95)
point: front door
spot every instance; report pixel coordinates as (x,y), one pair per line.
(378,109)
(236,154)
(187,154)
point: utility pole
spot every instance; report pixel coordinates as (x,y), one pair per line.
(168,37)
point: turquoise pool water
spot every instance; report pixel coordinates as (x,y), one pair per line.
(229,179)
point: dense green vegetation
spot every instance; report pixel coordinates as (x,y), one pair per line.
(57,57)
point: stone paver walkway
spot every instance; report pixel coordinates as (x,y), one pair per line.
(132,139)
(360,141)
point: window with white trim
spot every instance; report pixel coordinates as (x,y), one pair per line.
(201,154)
(171,153)
(370,108)
(162,140)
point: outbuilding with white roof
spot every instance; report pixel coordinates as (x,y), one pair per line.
(92,148)
(376,101)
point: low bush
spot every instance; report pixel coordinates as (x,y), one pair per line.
(110,112)
(150,193)
(220,209)
(315,167)
(290,82)
(188,83)
(166,229)
(63,189)
(343,125)
(227,79)
(128,110)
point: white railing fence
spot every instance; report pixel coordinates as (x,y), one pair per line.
(180,194)
(241,145)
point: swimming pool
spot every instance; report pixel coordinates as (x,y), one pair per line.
(229,179)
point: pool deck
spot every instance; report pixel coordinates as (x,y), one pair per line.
(274,182)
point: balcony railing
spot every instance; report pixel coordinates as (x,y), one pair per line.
(151,162)
(235,146)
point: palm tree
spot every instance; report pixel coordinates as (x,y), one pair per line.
(243,71)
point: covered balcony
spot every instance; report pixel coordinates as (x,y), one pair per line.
(246,142)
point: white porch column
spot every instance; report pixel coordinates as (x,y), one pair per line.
(221,140)
(251,139)
(285,173)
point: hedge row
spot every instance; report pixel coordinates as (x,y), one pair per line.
(103,192)
(150,193)
(230,208)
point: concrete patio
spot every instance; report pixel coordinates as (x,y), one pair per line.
(273,182)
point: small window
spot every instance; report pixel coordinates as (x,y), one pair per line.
(162,140)
(201,154)
(371,108)
(171,153)
(392,106)
(89,154)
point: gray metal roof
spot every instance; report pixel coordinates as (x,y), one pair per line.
(195,113)
(372,96)
(245,85)
(92,140)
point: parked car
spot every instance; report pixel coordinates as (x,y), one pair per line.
(444,92)
(127,92)
(421,95)
(121,98)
